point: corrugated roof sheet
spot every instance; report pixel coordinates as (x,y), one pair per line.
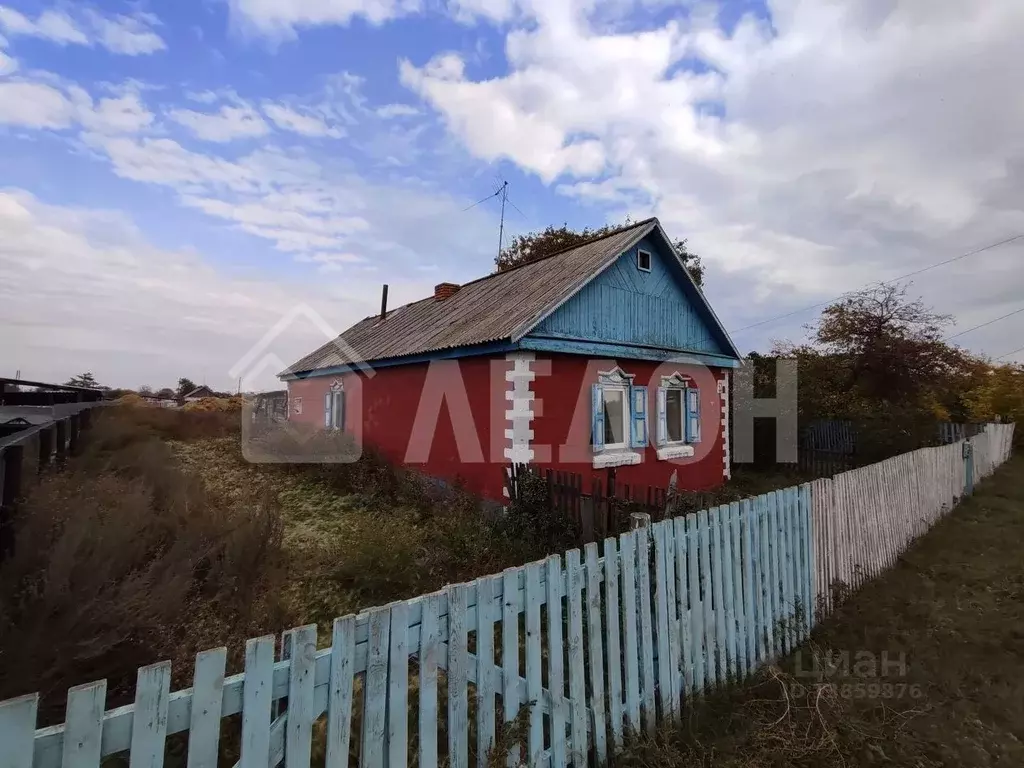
(493,308)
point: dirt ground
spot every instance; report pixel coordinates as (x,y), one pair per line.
(950,621)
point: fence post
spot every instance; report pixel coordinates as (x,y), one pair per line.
(12,459)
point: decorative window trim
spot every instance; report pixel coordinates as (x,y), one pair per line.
(297,406)
(675,451)
(624,453)
(617,458)
(650,259)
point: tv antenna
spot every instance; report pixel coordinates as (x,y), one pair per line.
(502,192)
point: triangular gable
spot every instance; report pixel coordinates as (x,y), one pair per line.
(662,308)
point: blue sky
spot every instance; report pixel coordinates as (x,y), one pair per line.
(175,177)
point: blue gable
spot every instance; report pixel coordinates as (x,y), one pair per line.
(627,307)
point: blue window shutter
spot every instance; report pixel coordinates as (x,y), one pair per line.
(597,418)
(692,415)
(638,398)
(327,410)
(662,423)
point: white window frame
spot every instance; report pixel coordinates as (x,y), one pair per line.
(619,454)
(676,449)
(337,393)
(650,259)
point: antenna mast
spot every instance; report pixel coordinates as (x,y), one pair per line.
(501,226)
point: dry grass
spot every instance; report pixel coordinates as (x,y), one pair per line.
(954,607)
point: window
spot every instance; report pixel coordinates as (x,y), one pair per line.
(643,260)
(334,407)
(678,417)
(619,419)
(297,405)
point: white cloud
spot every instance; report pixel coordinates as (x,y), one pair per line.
(129,35)
(828,146)
(227,124)
(142,314)
(281,18)
(55,26)
(8,64)
(35,105)
(304,123)
(57,106)
(389,111)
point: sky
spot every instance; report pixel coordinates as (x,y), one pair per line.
(208,188)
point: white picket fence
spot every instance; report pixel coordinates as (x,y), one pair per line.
(580,648)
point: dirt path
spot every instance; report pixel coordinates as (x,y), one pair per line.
(945,629)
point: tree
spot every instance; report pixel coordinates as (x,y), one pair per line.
(185,386)
(536,245)
(166,392)
(83,380)
(145,389)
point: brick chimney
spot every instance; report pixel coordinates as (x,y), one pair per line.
(443,291)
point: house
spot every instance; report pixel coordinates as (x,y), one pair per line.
(198,394)
(603,355)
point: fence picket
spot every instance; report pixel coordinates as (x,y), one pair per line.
(510,654)
(83,725)
(718,566)
(613,628)
(149,724)
(728,592)
(577,665)
(693,589)
(767,625)
(339,700)
(458,678)
(207,696)
(685,630)
(257,693)
(674,625)
(398,686)
(486,684)
(556,678)
(627,561)
(786,500)
(375,689)
(534,597)
(665,683)
(596,655)
(708,618)
(299,728)
(749,647)
(429,656)
(17,730)
(643,582)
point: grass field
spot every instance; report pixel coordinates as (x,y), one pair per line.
(952,609)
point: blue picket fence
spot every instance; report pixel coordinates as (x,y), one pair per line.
(580,648)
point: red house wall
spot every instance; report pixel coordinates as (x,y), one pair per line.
(382,410)
(466,441)
(561,423)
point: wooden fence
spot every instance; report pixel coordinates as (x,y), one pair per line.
(600,508)
(580,648)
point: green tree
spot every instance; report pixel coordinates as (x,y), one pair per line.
(185,386)
(532,246)
(83,380)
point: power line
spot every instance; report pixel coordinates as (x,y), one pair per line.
(982,325)
(1014,352)
(884,282)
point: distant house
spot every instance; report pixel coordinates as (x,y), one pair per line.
(199,393)
(603,355)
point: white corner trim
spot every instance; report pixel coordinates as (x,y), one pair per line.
(618,458)
(723,389)
(675,452)
(519,416)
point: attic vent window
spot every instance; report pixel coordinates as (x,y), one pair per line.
(643,261)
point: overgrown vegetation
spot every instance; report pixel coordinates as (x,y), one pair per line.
(159,540)
(953,610)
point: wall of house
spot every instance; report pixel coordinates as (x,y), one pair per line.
(627,305)
(446,418)
(562,421)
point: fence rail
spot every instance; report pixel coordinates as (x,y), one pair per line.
(587,645)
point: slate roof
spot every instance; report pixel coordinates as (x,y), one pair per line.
(501,306)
